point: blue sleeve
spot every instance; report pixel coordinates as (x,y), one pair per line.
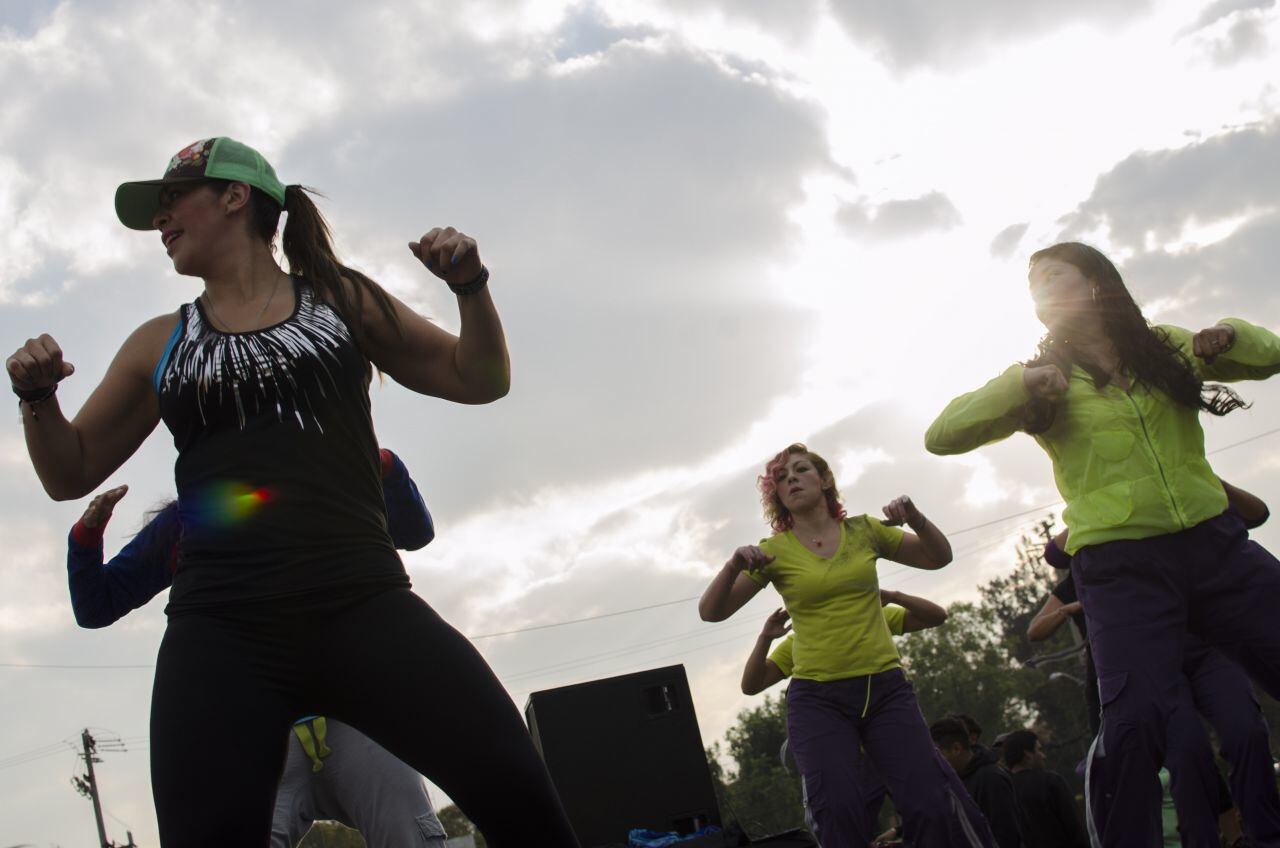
(102,594)
(408,520)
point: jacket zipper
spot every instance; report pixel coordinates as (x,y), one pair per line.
(1146,435)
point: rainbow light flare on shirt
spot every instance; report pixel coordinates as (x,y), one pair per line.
(225,504)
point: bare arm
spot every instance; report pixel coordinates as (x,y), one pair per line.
(760,672)
(472,367)
(1052,615)
(921,612)
(928,548)
(731,588)
(74,457)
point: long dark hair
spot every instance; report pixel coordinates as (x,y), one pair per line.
(160,546)
(1146,351)
(307,243)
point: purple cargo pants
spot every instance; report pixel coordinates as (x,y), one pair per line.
(1141,597)
(1219,690)
(831,723)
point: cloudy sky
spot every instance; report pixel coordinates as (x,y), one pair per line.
(715,227)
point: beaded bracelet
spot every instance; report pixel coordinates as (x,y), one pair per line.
(474,286)
(34,397)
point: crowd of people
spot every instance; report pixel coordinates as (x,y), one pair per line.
(281,548)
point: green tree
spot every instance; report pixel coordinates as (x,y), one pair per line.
(759,795)
(456,823)
(329,834)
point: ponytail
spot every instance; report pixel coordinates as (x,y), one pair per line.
(308,247)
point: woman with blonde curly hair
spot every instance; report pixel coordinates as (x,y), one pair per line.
(848,697)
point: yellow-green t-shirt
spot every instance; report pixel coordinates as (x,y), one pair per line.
(836,615)
(894,616)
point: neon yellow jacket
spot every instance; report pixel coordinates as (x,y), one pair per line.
(1130,465)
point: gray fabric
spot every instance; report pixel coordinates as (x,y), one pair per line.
(361,786)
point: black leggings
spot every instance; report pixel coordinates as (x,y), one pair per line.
(228,688)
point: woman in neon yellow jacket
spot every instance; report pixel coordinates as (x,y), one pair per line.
(1115,403)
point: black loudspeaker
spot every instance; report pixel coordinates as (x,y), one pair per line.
(625,752)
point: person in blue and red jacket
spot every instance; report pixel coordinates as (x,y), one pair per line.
(102,594)
(333,771)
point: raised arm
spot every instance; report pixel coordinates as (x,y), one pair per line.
(102,594)
(734,584)
(1055,611)
(74,457)
(993,412)
(927,547)
(408,520)
(472,367)
(760,672)
(1231,350)
(1052,615)
(921,614)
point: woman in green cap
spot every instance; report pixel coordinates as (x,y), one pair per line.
(289,597)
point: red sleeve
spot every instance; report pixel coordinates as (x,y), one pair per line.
(385,461)
(87,537)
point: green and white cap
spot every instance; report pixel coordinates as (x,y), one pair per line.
(219,158)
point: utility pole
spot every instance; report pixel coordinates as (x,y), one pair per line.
(88,785)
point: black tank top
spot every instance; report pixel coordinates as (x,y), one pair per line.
(278,486)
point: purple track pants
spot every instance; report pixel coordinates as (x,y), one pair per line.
(1141,598)
(831,723)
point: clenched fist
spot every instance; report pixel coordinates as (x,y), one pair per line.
(1045,381)
(901,510)
(37,365)
(450,255)
(1207,344)
(748,558)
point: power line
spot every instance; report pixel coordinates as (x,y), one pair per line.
(629,611)
(586,618)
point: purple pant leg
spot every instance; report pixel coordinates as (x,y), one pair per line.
(873,790)
(827,721)
(935,807)
(1236,595)
(1224,696)
(822,729)
(1135,599)
(1193,774)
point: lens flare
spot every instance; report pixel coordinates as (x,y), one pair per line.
(227,504)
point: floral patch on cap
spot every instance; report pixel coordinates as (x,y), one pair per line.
(191,160)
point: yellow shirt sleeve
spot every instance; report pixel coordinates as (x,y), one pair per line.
(896,617)
(887,539)
(781,657)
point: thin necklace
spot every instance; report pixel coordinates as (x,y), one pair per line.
(261,312)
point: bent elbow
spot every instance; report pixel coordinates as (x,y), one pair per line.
(939,442)
(62,492)
(748,689)
(91,620)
